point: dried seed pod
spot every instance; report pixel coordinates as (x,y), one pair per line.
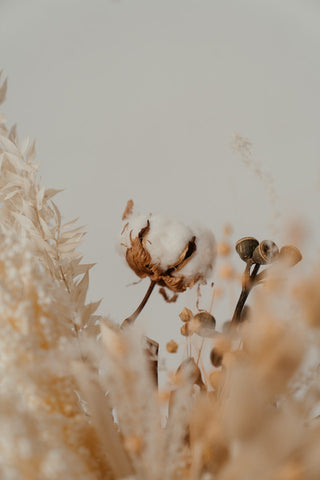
(203,324)
(190,368)
(185,330)
(290,255)
(216,357)
(172,346)
(186,315)
(265,252)
(245,247)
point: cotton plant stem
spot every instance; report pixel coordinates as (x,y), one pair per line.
(136,313)
(248,282)
(152,346)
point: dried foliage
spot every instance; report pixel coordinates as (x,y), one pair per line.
(74,405)
(43,286)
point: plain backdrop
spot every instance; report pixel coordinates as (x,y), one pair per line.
(140,99)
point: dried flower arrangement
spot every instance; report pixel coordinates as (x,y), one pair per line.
(78,393)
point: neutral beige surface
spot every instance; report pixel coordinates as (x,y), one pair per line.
(140,99)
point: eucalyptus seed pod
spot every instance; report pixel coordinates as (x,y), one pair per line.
(245,247)
(203,324)
(290,255)
(189,367)
(265,252)
(216,357)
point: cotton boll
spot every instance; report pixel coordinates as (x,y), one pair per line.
(166,239)
(168,252)
(203,259)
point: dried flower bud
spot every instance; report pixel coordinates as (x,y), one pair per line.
(186,315)
(172,346)
(245,247)
(203,324)
(216,379)
(185,330)
(216,357)
(224,249)
(266,252)
(222,345)
(226,271)
(171,254)
(227,229)
(290,255)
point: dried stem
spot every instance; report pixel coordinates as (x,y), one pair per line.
(131,319)
(152,345)
(248,283)
(200,350)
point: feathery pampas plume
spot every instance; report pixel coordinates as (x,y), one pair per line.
(74,405)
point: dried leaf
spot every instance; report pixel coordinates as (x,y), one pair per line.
(31,153)
(168,299)
(57,214)
(46,230)
(9,146)
(68,224)
(24,221)
(51,192)
(3,91)
(24,144)
(13,136)
(81,290)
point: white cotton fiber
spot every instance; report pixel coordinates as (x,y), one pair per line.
(203,259)
(166,240)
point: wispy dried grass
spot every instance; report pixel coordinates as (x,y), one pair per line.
(77,406)
(243,147)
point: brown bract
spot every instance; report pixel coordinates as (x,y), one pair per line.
(139,259)
(128,210)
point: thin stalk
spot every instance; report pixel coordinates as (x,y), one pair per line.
(200,350)
(134,315)
(248,282)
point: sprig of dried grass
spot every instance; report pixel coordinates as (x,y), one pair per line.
(43,287)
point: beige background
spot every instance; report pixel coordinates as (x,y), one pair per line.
(140,99)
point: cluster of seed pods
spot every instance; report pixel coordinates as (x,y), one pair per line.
(252,251)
